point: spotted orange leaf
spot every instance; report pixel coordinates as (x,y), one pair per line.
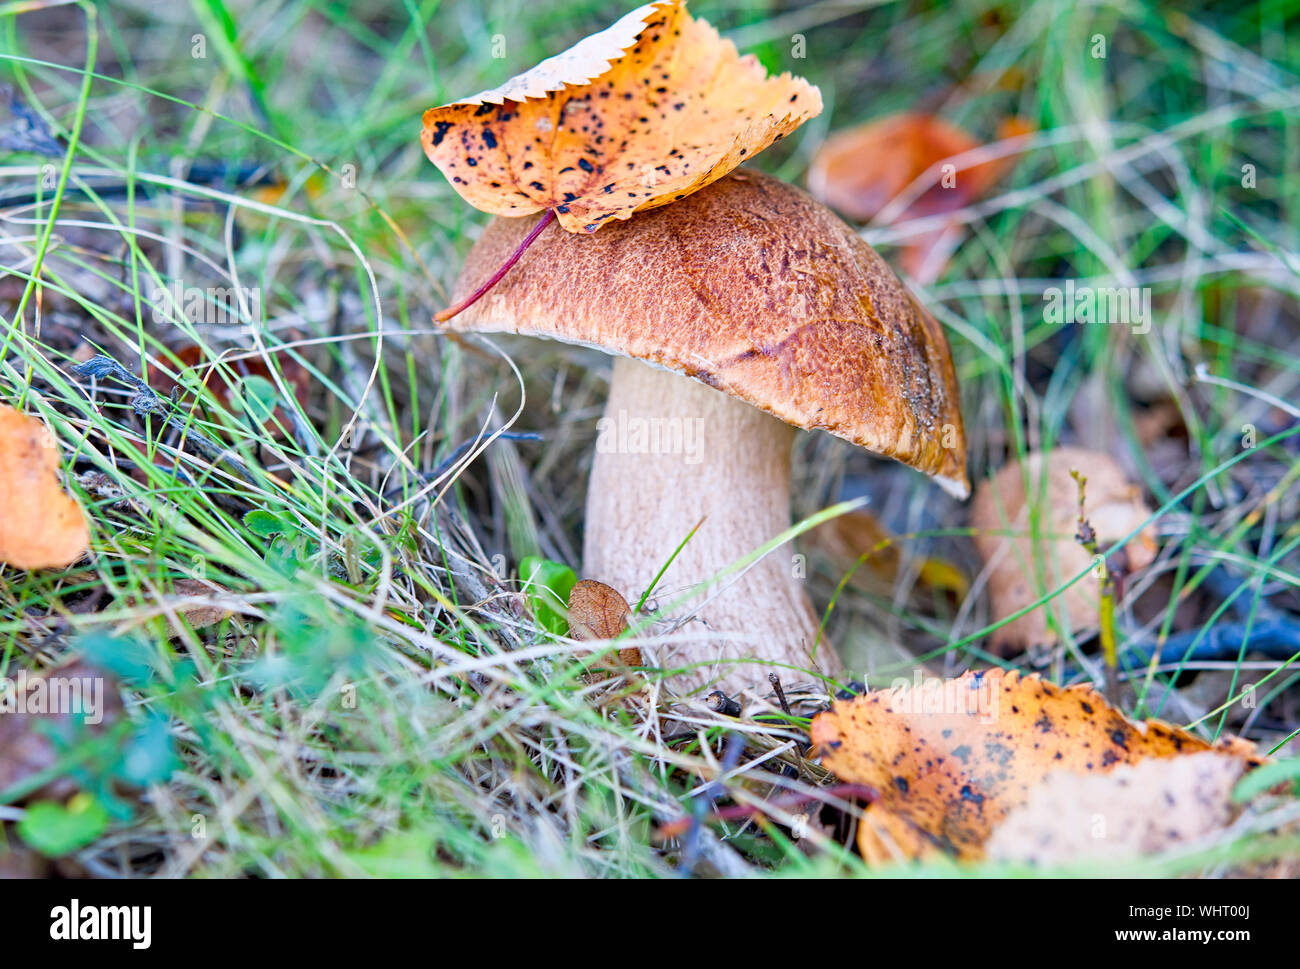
(951,758)
(636,116)
(40,526)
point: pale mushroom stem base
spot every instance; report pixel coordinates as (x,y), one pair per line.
(670,452)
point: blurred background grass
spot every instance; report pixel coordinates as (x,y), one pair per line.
(376,700)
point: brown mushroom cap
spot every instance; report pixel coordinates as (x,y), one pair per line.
(755,289)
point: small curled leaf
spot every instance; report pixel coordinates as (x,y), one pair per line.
(597,611)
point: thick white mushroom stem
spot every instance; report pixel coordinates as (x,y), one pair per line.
(671,451)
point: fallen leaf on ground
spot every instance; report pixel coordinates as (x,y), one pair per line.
(19,861)
(639,115)
(1162,422)
(860,170)
(198,614)
(858,536)
(950,759)
(41,527)
(1139,809)
(28,716)
(1113,506)
(274,192)
(546,587)
(598,612)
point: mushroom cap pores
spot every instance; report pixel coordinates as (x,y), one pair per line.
(754,288)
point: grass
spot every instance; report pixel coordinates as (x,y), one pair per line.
(378,700)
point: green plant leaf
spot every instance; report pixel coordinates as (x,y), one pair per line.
(313,645)
(129,659)
(1262,778)
(400,854)
(256,396)
(547,585)
(56,829)
(149,758)
(265,523)
(288,553)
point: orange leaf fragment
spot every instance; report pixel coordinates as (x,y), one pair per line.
(861,170)
(951,759)
(639,115)
(40,526)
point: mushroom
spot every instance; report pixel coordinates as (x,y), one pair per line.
(736,314)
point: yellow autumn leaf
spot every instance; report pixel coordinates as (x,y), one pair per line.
(639,115)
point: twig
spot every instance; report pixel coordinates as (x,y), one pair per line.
(145,402)
(466,303)
(780,693)
(28,132)
(1087,537)
(738,812)
(464,446)
(720,703)
(1277,637)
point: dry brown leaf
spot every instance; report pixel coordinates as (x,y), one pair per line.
(1113,506)
(597,611)
(1162,422)
(28,720)
(199,614)
(40,526)
(636,116)
(860,170)
(19,861)
(952,758)
(1138,809)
